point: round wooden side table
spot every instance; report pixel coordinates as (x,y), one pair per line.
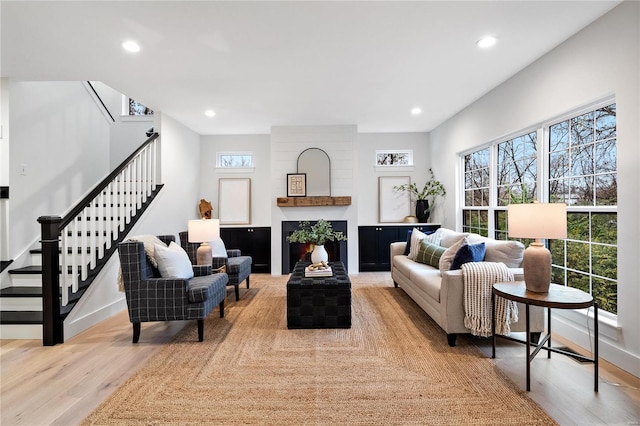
(558,297)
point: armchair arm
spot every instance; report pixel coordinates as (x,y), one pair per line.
(157,299)
(234,253)
(200,270)
(218,262)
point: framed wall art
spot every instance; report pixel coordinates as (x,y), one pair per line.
(393,205)
(234,201)
(296,184)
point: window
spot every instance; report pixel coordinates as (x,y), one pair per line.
(580,170)
(234,159)
(583,174)
(476,192)
(136,108)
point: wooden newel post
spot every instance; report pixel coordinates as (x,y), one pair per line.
(52,326)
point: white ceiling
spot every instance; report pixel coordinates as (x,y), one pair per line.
(260,64)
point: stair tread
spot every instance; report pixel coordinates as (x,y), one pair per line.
(32,269)
(19,291)
(20,317)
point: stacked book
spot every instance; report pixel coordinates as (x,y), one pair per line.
(318,272)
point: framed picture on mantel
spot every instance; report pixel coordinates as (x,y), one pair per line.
(393,206)
(296,184)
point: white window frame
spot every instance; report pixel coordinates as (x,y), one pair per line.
(220,166)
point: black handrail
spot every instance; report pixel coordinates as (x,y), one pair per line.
(100,99)
(69,217)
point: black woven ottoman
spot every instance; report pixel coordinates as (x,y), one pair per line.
(319,302)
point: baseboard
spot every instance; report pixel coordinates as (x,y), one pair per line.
(74,326)
(608,349)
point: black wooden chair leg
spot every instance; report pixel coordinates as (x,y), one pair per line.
(237,288)
(221,305)
(395,284)
(451,339)
(136,332)
(248,282)
(200,330)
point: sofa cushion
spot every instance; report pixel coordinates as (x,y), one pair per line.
(508,252)
(428,280)
(468,253)
(450,253)
(449,237)
(429,254)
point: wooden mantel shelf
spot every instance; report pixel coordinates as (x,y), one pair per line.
(313,201)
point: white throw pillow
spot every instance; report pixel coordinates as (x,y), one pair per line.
(447,257)
(173,261)
(218,248)
(416,237)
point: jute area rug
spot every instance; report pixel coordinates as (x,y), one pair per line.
(393,366)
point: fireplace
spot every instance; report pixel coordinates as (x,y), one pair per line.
(294,252)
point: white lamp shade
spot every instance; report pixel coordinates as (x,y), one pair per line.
(537,220)
(203,230)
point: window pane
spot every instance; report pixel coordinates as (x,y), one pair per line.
(606,122)
(578,280)
(582,191)
(606,156)
(582,129)
(559,136)
(556,247)
(605,261)
(606,294)
(558,191)
(578,256)
(558,275)
(578,226)
(559,164)
(604,228)
(606,190)
(582,160)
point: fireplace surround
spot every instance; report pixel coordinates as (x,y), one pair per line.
(293,252)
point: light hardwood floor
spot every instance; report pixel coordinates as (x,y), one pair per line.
(61,385)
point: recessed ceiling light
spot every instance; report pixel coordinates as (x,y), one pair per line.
(131,46)
(487,41)
(416,111)
(210,113)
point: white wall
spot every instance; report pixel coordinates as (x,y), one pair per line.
(4,167)
(260,174)
(63,140)
(599,61)
(127,132)
(368,173)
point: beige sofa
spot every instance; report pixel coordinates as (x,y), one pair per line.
(441,294)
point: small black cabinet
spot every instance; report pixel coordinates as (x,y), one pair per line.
(374,241)
(252,241)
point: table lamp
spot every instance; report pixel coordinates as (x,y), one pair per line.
(538,221)
(202,231)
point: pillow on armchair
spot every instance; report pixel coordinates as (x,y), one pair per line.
(173,261)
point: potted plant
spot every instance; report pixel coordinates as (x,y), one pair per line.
(432,188)
(317,234)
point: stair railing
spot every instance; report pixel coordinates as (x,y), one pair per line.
(76,247)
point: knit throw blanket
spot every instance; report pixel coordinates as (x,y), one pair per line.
(478,278)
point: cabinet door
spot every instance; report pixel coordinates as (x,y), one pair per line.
(254,242)
(260,249)
(386,236)
(367,248)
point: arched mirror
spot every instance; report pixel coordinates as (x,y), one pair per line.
(316,164)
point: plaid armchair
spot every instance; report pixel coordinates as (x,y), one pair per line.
(238,267)
(152,298)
